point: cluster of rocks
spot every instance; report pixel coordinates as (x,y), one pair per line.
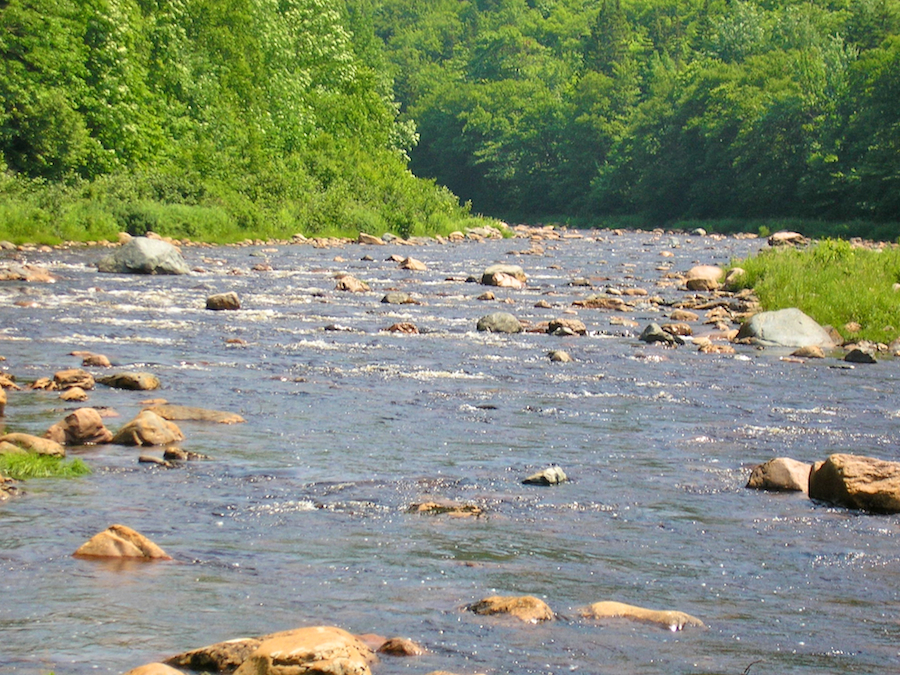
(847,480)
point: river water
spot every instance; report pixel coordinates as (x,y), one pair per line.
(300,517)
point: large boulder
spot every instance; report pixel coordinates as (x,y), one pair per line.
(148,428)
(319,650)
(781,473)
(499,322)
(142,255)
(82,427)
(785,328)
(35,444)
(500,275)
(526,608)
(119,541)
(857,482)
(671,619)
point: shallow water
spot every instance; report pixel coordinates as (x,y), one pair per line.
(300,517)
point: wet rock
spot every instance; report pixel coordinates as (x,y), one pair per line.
(787,238)
(673,620)
(486,296)
(157,461)
(711,348)
(540,304)
(7,381)
(143,255)
(859,356)
(403,327)
(73,377)
(320,650)
(221,657)
(680,329)
(35,444)
(704,278)
(552,475)
(8,488)
(119,541)
(176,454)
(398,298)
(350,284)
(154,669)
(223,302)
(82,427)
(654,333)
(369,239)
(95,361)
(785,328)
(857,482)
(525,608)
(132,381)
(562,327)
(809,352)
(560,356)
(12,271)
(600,301)
(413,265)
(432,508)
(2,402)
(500,275)
(499,322)
(781,473)
(182,412)
(148,428)
(401,647)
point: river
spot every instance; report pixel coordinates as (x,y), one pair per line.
(300,516)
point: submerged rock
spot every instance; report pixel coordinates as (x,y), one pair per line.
(320,650)
(526,608)
(673,620)
(785,328)
(857,482)
(143,255)
(120,541)
(781,473)
(180,413)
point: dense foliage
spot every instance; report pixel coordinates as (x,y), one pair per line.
(207,118)
(671,109)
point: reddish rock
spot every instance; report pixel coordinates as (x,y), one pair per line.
(525,608)
(119,541)
(82,427)
(403,327)
(448,508)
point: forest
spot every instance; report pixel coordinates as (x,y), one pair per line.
(216,118)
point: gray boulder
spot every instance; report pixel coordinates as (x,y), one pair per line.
(499,322)
(654,333)
(785,328)
(142,255)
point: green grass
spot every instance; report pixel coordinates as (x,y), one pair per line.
(833,282)
(23,467)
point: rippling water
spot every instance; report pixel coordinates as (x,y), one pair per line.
(300,517)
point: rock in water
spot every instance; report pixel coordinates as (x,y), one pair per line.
(495,275)
(133,381)
(217,658)
(785,328)
(119,541)
(35,444)
(857,482)
(525,608)
(781,473)
(82,427)
(552,475)
(654,333)
(148,428)
(320,650)
(499,322)
(223,302)
(672,620)
(142,255)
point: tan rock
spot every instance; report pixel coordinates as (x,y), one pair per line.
(701,284)
(44,384)
(74,377)
(525,608)
(217,658)
(2,402)
(710,348)
(501,280)
(7,448)
(119,541)
(405,327)
(566,327)
(413,265)
(82,427)
(35,444)
(680,328)
(148,428)
(401,647)
(497,275)
(787,238)
(781,473)
(673,620)
(154,669)
(350,284)
(320,650)
(809,352)
(137,381)
(74,394)
(95,361)
(219,302)
(681,315)
(448,508)
(857,482)
(182,412)
(734,276)
(370,239)
(601,302)
(560,356)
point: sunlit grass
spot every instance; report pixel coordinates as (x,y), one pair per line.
(30,465)
(833,282)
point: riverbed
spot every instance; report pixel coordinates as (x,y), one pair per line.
(300,517)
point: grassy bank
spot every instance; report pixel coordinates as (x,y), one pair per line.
(25,466)
(833,282)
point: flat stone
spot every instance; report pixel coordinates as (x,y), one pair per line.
(526,608)
(132,381)
(180,413)
(673,620)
